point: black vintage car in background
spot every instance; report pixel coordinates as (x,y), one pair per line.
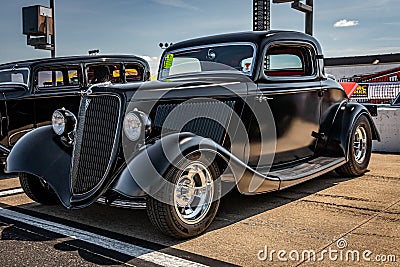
(250,109)
(31,90)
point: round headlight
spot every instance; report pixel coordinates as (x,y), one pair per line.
(58,121)
(133,126)
(63,121)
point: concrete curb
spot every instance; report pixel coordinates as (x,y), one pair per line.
(388,124)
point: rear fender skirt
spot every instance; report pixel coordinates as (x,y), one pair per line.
(144,174)
(41,153)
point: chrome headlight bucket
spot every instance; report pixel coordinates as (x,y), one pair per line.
(63,122)
(136,125)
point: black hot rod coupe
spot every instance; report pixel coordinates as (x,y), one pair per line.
(253,110)
(31,90)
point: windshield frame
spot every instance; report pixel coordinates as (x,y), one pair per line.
(250,74)
(16,69)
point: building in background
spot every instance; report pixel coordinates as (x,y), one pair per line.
(378,76)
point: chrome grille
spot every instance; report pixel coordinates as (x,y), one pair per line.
(94,142)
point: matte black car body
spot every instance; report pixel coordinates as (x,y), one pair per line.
(313,117)
(26,106)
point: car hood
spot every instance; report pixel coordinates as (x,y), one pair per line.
(199,85)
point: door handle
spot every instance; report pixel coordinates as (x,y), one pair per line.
(262,98)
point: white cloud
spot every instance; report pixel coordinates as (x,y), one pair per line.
(153,62)
(176,3)
(345,23)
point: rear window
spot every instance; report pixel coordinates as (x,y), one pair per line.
(104,73)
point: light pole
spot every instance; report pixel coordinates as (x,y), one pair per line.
(38,24)
(53,37)
(261,15)
(307,8)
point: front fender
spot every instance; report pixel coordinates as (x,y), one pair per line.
(40,153)
(144,174)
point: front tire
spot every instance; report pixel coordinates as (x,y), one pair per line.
(360,149)
(37,190)
(194,202)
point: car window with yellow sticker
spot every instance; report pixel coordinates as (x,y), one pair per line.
(218,57)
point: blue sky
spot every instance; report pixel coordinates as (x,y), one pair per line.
(344,27)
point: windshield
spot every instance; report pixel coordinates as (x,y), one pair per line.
(14,76)
(218,57)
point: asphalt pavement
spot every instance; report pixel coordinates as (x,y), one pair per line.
(328,221)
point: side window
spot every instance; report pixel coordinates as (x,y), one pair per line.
(58,77)
(104,73)
(48,78)
(133,73)
(289,61)
(73,77)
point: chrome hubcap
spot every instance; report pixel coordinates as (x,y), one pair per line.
(360,144)
(194,193)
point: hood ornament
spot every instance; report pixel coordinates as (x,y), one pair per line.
(90,91)
(86,92)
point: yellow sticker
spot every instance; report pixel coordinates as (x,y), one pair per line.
(169,59)
(128,72)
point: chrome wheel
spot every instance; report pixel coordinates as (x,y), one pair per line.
(193,193)
(360,144)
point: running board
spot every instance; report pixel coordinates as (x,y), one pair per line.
(306,171)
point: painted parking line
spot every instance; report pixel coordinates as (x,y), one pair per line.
(10,192)
(131,250)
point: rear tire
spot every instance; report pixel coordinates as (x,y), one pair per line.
(193,209)
(37,190)
(360,149)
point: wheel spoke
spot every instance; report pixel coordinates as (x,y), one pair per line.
(360,144)
(194,193)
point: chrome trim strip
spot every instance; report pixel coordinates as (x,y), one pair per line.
(4,149)
(17,133)
(197,86)
(289,91)
(128,204)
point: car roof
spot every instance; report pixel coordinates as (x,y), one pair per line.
(71,59)
(257,37)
